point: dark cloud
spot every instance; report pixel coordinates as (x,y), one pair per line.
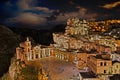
(52,12)
(30,19)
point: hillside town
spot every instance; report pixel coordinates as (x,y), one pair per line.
(90,55)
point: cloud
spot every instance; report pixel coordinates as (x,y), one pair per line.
(24,4)
(62,17)
(30,19)
(31,5)
(111,5)
(86,14)
(44,9)
(33,15)
(82,13)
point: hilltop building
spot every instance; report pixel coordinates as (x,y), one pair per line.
(28,52)
(79,47)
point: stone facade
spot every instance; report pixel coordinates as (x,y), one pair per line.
(27,52)
(67,42)
(99,65)
(115,57)
(115,69)
(78,47)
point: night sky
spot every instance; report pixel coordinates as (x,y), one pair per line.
(48,13)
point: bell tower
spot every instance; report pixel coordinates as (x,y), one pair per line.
(27,45)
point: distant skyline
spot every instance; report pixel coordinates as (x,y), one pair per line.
(48,13)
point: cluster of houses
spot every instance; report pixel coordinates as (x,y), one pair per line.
(94,55)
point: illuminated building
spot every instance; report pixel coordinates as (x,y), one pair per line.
(99,64)
(115,67)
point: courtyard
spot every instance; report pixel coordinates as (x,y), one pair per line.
(58,69)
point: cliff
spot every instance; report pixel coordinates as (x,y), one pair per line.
(18,70)
(10,68)
(8,43)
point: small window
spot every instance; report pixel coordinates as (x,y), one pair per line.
(28,50)
(101,63)
(28,44)
(104,71)
(105,64)
(116,66)
(36,55)
(32,56)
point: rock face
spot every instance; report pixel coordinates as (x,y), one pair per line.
(15,69)
(8,43)
(18,70)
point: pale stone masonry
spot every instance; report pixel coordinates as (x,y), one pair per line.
(28,52)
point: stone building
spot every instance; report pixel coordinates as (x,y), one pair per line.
(103,49)
(115,69)
(109,42)
(23,49)
(82,60)
(28,52)
(61,54)
(115,57)
(39,52)
(78,47)
(76,26)
(67,42)
(99,64)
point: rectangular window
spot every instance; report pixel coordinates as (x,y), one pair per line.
(32,56)
(116,66)
(28,50)
(104,71)
(28,44)
(36,55)
(101,63)
(105,64)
